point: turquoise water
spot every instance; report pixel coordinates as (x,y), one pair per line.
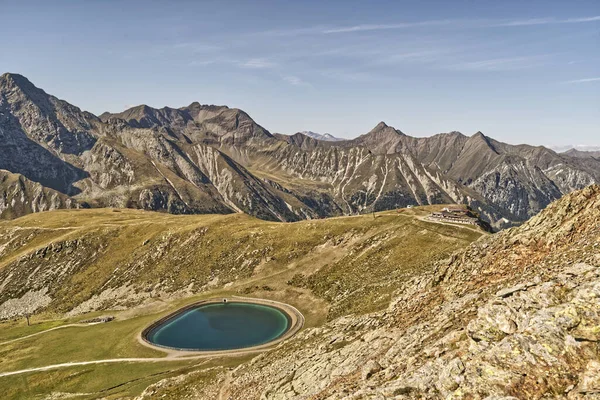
(221,326)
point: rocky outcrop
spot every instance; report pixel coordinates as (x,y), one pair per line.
(108,167)
(48,121)
(20,196)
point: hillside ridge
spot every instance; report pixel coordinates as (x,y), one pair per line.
(515,315)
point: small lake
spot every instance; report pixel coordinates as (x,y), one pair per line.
(221,326)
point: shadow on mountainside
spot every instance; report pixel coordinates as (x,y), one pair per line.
(37,163)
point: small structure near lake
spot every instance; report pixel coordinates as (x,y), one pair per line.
(457,215)
(98,320)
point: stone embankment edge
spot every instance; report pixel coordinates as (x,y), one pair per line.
(296,323)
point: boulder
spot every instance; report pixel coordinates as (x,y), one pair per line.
(369,369)
(451,376)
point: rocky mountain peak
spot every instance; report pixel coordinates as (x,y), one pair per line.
(138,112)
(327,137)
(27,91)
(480,139)
(582,153)
(381,139)
(9,82)
(51,122)
(9,78)
(142,109)
(197,109)
(383,129)
(198,106)
(381,125)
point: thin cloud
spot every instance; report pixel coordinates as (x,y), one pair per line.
(500,64)
(379,27)
(547,21)
(475,23)
(588,19)
(585,80)
(199,63)
(525,22)
(293,80)
(351,76)
(296,81)
(257,63)
(423,57)
(311,30)
(195,47)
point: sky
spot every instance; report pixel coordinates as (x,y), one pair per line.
(518,71)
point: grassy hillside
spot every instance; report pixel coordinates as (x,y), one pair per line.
(67,266)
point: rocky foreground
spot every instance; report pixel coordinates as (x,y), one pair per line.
(516,315)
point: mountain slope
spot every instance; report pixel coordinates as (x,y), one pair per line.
(75,261)
(504,183)
(305,167)
(20,196)
(69,266)
(516,314)
(582,153)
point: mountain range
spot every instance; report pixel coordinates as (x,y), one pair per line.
(327,137)
(585,148)
(583,153)
(216,159)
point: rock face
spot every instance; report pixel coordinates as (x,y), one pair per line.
(515,316)
(214,159)
(519,180)
(19,196)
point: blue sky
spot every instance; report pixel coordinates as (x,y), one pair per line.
(519,71)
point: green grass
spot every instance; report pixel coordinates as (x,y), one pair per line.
(365,278)
(109,381)
(116,339)
(14,329)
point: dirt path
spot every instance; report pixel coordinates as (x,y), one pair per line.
(233,353)
(224,390)
(456,225)
(47,330)
(110,360)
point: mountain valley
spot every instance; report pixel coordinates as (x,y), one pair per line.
(110,225)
